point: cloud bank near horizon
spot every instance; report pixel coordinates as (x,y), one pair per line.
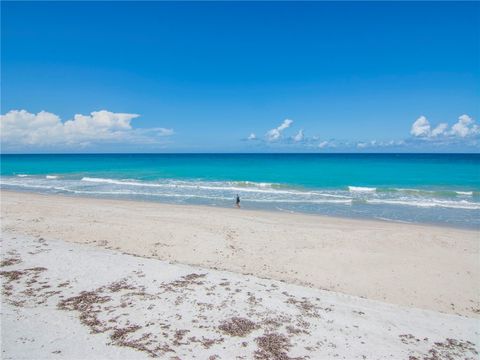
(463,132)
(23,131)
(20,129)
(464,127)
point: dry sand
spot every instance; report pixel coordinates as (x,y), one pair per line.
(73,301)
(435,268)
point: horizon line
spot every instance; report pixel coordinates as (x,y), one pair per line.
(252,153)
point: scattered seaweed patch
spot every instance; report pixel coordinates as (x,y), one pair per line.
(305,307)
(452,349)
(273,346)
(183,282)
(237,326)
(408,339)
(120,285)
(87,304)
(205,342)
(10,261)
(295,331)
(23,286)
(447,349)
(12,275)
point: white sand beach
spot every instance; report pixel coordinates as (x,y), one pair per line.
(177,282)
(74,301)
(429,267)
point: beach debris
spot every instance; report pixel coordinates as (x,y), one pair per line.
(238,326)
(295,331)
(87,304)
(448,349)
(12,275)
(273,346)
(408,338)
(28,280)
(305,307)
(10,261)
(120,285)
(183,282)
(206,343)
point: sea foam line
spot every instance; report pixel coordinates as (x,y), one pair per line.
(463,204)
(361,189)
(467,193)
(320,201)
(182,185)
(137,193)
(417,202)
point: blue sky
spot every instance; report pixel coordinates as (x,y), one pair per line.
(203,77)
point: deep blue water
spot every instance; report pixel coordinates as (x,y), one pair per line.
(427,188)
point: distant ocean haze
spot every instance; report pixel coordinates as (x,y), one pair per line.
(423,188)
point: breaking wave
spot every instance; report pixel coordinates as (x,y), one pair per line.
(392,203)
(252,187)
(462,204)
(361,189)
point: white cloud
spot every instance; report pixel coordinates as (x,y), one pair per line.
(439,130)
(379,144)
(299,136)
(20,128)
(465,132)
(163,131)
(252,136)
(276,133)
(421,127)
(464,127)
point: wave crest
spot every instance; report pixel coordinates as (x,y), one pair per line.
(261,193)
(361,189)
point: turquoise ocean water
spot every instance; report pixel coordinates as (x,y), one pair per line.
(422,188)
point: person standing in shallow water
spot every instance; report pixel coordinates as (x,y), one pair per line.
(237,201)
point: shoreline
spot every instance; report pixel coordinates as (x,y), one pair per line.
(414,265)
(324,217)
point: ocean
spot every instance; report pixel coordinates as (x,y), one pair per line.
(416,188)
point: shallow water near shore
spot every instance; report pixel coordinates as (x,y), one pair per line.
(421,188)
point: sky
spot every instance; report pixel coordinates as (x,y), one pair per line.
(240,77)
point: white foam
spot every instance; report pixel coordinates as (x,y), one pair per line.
(254,184)
(148,194)
(33,186)
(412,190)
(222,192)
(112,181)
(203,186)
(300,201)
(293,201)
(22,175)
(361,189)
(463,204)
